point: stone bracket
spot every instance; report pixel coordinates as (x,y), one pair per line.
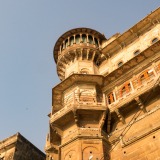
(75,116)
(57,130)
(120,116)
(140,104)
(102,120)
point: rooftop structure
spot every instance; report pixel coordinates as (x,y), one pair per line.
(17,147)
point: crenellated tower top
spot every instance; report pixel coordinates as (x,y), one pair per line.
(78,51)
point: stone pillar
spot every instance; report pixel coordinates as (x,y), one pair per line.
(114,95)
(98,42)
(87,54)
(63,45)
(81,38)
(74,38)
(93,40)
(68,41)
(60,49)
(87,38)
(131,85)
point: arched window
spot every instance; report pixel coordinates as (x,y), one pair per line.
(66,43)
(96,42)
(136,52)
(154,40)
(77,39)
(84,38)
(110,98)
(126,88)
(90,38)
(120,63)
(145,76)
(71,40)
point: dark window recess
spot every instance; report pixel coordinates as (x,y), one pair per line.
(120,64)
(154,40)
(136,52)
(90,39)
(84,38)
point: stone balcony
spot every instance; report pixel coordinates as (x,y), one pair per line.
(77,106)
(145,87)
(74,79)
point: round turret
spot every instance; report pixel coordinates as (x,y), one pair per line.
(78,51)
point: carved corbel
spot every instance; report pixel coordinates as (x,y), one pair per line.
(140,104)
(102,120)
(75,117)
(57,130)
(120,116)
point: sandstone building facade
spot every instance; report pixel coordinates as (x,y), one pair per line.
(107,105)
(17,147)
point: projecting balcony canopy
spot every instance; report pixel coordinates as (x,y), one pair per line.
(71,80)
(86,35)
(66,114)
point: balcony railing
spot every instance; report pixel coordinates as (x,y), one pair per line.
(134,93)
(78,103)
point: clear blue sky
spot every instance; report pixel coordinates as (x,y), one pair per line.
(28,32)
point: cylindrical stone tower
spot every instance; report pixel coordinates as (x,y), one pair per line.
(78,103)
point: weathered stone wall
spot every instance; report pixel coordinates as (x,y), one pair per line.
(26,151)
(126,53)
(17,147)
(146,148)
(89,120)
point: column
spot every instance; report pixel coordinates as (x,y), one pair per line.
(98,42)
(68,41)
(60,49)
(63,45)
(81,38)
(87,38)
(131,85)
(74,38)
(81,54)
(87,54)
(93,40)
(114,95)
(104,99)
(93,55)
